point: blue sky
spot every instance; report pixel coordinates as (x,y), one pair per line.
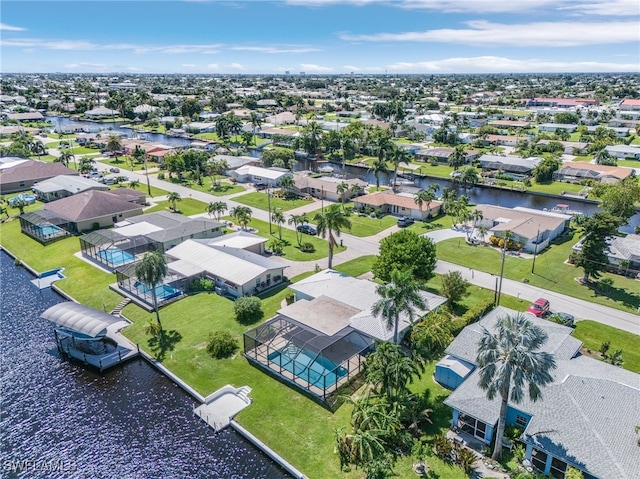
(320,36)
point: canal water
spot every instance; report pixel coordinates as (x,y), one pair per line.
(58,419)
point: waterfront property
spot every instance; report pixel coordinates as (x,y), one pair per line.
(319,342)
(441,155)
(623,255)
(22,174)
(259,175)
(88,335)
(326,187)
(401,204)
(576,172)
(134,236)
(533,229)
(624,151)
(586,418)
(514,166)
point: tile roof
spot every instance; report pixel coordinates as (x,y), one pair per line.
(381,198)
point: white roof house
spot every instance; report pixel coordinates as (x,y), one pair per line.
(62,186)
(358,295)
(241,271)
(258,174)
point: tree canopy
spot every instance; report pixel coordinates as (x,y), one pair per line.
(406,250)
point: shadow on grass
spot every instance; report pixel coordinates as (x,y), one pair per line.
(222,188)
(619,295)
(440,416)
(163,342)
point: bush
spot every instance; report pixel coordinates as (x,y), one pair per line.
(307,248)
(222,344)
(202,284)
(161,176)
(472,315)
(248,309)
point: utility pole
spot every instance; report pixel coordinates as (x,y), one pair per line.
(269,207)
(535,252)
(146,172)
(322,197)
(504,250)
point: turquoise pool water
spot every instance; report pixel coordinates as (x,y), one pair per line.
(316,370)
(163,291)
(48,230)
(116,256)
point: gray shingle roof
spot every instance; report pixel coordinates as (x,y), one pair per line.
(89,205)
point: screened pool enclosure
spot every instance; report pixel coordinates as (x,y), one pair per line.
(305,357)
(173,285)
(44,226)
(113,249)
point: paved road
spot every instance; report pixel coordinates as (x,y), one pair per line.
(370,245)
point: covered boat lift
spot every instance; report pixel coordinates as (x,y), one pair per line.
(90,335)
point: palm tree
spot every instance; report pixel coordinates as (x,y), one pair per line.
(19,203)
(297,220)
(216,208)
(469,177)
(509,360)
(426,196)
(255,121)
(173,198)
(278,218)
(401,296)
(286,184)
(152,328)
(242,214)
(150,271)
(457,157)
(133,184)
(114,145)
(342,189)
(311,135)
(390,370)
(65,157)
(475,216)
(377,167)
(38,148)
(398,155)
(482,232)
(330,223)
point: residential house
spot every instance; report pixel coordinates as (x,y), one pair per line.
(326,187)
(320,341)
(563,102)
(624,151)
(570,147)
(259,175)
(534,229)
(22,175)
(585,419)
(284,118)
(504,140)
(441,155)
(629,104)
(619,132)
(510,124)
(28,116)
(65,185)
(101,112)
(515,166)
(577,171)
(235,162)
(401,204)
(623,255)
(554,127)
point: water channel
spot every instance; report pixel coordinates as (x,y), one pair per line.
(131,422)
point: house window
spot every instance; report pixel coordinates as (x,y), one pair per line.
(539,460)
(558,468)
(257,282)
(521,421)
(472,426)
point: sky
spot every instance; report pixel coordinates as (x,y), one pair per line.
(320,36)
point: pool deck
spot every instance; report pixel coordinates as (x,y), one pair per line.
(220,407)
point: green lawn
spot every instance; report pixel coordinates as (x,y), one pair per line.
(291,250)
(550,273)
(259,200)
(367,226)
(47,158)
(629,163)
(593,334)
(124,163)
(585,158)
(373,189)
(357,266)
(556,187)
(142,186)
(439,170)
(222,188)
(186,207)
(437,223)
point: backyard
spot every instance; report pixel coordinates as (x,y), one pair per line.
(186,207)
(259,200)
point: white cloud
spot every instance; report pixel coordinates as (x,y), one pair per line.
(353,68)
(236,66)
(276,49)
(491,64)
(548,34)
(310,67)
(10,28)
(86,66)
(611,8)
(82,45)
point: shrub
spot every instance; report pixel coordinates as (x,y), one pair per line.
(161,176)
(307,248)
(202,284)
(494,240)
(222,344)
(248,309)
(472,315)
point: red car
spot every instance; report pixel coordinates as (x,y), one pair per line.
(539,307)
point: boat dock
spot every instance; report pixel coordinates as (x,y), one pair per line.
(220,407)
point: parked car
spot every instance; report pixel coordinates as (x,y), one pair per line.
(307,229)
(539,308)
(114,170)
(565,319)
(405,221)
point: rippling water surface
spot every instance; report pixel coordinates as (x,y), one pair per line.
(131,422)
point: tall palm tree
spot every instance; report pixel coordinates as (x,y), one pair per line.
(401,296)
(255,121)
(286,184)
(242,214)
(311,134)
(38,148)
(64,158)
(278,218)
(469,177)
(391,371)
(398,155)
(457,157)
(482,232)
(342,189)
(216,208)
(378,167)
(297,220)
(173,198)
(150,271)
(329,223)
(426,196)
(114,145)
(510,361)
(475,216)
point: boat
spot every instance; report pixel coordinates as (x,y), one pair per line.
(564,209)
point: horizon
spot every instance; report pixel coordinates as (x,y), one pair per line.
(320,37)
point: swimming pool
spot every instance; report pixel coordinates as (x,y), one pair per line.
(48,230)
(29,199)
(115,256)
(316,370)
(163,291)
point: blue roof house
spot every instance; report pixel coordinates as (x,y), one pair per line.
(586,418)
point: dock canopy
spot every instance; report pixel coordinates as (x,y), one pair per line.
(81,319)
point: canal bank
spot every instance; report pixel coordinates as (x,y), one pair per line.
(129,422)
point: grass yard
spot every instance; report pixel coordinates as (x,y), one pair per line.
(124,163)
(437,223)
(48,159)
(142,186)
(551,272)
(291,250)
(357,266)
(259,200)
(439,170)
(367,226)
(629,163)
(556,187)
(593,334)
(222,188)
(186,207)
(585,158)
